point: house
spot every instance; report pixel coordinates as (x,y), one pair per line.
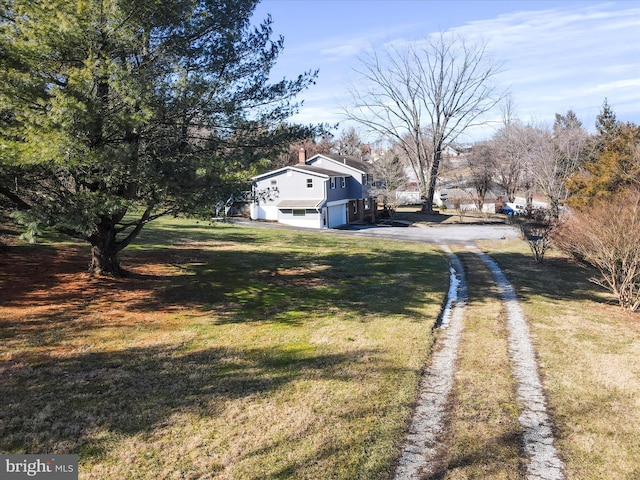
(324,191)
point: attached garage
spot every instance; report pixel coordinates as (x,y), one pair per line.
(337,215)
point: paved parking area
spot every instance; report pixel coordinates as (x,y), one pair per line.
(441,234)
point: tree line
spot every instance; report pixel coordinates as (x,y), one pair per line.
(591,183)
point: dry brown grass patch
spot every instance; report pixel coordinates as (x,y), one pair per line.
(589,353)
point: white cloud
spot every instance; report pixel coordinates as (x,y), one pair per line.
(572,57)
(350,48)
(633,83)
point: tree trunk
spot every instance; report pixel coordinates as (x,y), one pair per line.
(104,252)
(433,178)
(105,262)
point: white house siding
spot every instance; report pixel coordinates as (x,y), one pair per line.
(408,197)
(264,212)
(472,207)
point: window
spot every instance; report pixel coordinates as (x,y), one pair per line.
(309,182)
(367,204)
(343,182)
(299,212)
(333,182)
(355,207)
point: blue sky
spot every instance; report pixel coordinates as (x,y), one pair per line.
(557,55)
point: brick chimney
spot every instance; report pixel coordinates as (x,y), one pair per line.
(302,156)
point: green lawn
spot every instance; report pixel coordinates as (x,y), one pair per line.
(232,352)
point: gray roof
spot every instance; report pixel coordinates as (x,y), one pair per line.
(343,159)
(322,171)
(353,162)
(305,168)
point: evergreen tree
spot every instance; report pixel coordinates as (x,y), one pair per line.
(606,120)
(113,113)
(615,169)
(565,122)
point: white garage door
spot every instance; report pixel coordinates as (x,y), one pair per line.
(337,215)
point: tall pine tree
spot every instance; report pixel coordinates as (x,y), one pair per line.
(115,112)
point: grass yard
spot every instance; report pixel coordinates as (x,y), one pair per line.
(230,353)
(589,353)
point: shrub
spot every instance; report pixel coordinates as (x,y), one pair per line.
(535,227)
(605,235)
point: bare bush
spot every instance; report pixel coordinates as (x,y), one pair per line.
(606,237)
(461,205)
(535,226)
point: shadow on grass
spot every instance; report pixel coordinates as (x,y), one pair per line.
(282,286)
(62,404)
(29,267)
(172,232)
(233,285)
(555,279)
(478,277)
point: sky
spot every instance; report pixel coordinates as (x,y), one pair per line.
(556,55)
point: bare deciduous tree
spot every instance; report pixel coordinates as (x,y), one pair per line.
(553,156)
(511,171)
(536,226)
(461,203)
(482,166)
(542,162)
(323,143)
(390,178)
(423,95)
(350,144)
